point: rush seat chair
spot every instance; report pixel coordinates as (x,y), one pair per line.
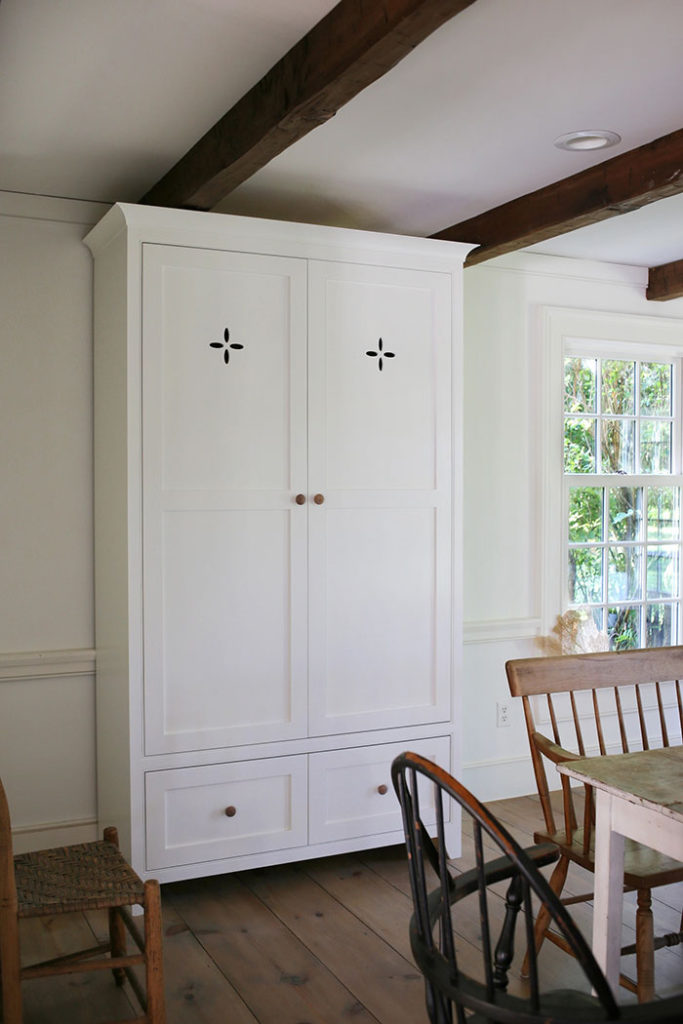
(82,877)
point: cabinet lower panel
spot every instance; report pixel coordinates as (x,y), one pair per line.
(211,817)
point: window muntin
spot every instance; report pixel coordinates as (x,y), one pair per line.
(618,416)
(622,498)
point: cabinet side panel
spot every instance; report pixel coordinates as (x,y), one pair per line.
(111,542)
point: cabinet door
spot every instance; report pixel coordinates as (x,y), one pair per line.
(224,541)
(380,455)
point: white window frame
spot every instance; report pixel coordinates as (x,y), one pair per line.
(612,335)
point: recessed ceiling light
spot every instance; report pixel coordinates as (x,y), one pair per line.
(592,138)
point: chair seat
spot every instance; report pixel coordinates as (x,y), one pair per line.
(643,867)
(85,876)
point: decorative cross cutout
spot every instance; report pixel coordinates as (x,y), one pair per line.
(381,355)
(226,345)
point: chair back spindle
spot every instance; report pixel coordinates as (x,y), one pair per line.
(648,697)
(439,922)
(620,719)
(589,705)
(577,726)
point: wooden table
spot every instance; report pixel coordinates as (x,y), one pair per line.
(638,796)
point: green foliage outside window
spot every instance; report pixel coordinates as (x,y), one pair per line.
(623,540)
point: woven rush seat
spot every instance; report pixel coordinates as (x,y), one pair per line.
(74,879)
(85,876)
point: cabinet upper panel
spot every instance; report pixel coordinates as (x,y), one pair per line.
(379,353)
(224,354)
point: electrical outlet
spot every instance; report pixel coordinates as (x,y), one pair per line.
(502,714)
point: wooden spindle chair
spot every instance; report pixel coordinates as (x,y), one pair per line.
(82,877)
(435,927)
(598,704)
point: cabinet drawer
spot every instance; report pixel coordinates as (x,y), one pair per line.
(215,811)
(348,794)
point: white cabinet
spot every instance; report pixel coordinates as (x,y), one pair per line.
(278,549)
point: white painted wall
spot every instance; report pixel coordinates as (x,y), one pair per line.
(47,756)
(503,585)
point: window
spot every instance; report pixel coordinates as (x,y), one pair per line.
(622,490)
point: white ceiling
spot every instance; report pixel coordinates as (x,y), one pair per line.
(100,97)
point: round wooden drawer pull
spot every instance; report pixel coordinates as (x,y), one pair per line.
(230,812)
(300,499)
(382,789)
(318,498)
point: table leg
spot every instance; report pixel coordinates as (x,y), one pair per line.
(609,889)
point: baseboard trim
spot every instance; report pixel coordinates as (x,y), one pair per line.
(47,834)
(500,779)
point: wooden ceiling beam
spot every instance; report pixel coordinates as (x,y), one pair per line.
(352,46)
(665,282)
(620,185)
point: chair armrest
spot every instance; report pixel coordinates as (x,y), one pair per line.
(501,869)
(557,754)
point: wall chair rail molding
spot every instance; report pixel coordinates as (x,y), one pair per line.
(39,664)
(491,631)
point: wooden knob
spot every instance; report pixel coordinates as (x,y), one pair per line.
(382,789)
(318,498)
(300,499)
(230,812)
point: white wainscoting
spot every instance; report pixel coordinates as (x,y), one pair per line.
(47,681)
(47,746)
(498,779)
(496,761)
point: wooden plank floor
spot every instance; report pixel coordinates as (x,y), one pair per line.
(319,942)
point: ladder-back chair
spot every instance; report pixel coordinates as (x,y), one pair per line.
(440,923)
(599,704)
(79,878)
